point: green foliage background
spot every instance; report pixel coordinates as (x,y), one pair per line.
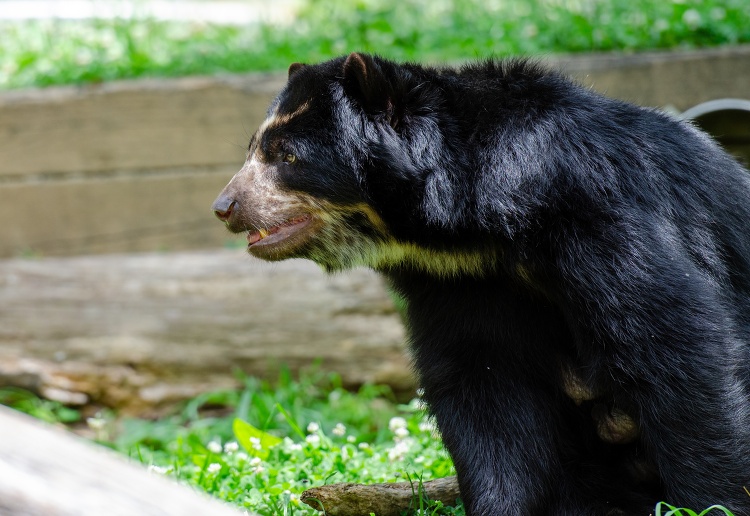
(41,53)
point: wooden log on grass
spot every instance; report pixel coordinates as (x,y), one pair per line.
(137,333)
(47,471)
(381,499)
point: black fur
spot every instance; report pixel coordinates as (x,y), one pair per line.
(594,233)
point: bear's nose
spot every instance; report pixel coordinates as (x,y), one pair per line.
(223,207)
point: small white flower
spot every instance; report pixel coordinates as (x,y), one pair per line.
(214,447)
(258,469)
(289,495)
(313,439)
(231,448)
(401,433)
(398,452)
(255,443)
(351,439)
(214,468)
(160,470)
(312,428)
(344,454)
(692,19)
(242,456)
(294,447)
(396,422)
(255,461)
(339,429)
(363,446)
(419,460)
(661,25)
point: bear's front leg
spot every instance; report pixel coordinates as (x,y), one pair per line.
(487,355)
(506,439)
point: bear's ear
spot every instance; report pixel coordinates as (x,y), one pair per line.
(366,83)
(295,67)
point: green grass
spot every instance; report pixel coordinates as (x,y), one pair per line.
(664,509)
(41,53)
(46,410)
(260,447)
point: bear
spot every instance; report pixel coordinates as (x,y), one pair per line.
(575,268)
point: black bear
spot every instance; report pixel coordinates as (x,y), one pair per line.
(568,262)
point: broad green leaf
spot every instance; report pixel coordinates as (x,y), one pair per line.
(256,442)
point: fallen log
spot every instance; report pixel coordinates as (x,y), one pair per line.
(47,471)
(138,333)
(391,499)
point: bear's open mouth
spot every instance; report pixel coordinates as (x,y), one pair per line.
(276,234)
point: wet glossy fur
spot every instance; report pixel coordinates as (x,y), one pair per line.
(533,225)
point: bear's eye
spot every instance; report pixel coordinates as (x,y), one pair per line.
(289,158)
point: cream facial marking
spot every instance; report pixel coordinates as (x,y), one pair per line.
(276,119)
(348,247)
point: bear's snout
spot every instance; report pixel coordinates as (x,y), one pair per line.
(223,207)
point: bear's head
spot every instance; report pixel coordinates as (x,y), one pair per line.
(348,169)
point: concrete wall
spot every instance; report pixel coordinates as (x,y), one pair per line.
(134,166)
